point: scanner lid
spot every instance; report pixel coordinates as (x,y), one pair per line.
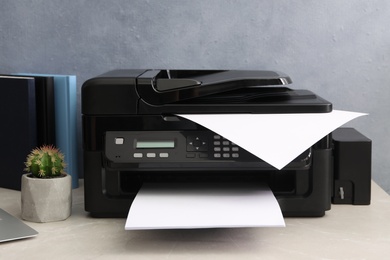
(159,87)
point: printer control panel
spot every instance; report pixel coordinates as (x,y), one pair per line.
(171,146)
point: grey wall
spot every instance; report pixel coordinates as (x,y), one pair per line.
(339,49)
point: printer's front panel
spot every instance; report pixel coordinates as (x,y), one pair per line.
(200,148)
(169,146)
(122,152)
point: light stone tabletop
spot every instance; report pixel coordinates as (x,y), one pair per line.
(345,232)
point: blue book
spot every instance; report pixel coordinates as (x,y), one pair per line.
(65,103)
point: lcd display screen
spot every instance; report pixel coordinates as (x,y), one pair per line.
(154,144)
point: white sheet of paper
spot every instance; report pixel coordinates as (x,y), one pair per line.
(275,138)
(204,205)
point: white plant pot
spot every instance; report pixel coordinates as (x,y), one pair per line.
(46,200)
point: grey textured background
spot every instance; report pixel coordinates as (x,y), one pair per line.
(338,49)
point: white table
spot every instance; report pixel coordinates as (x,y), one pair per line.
(346,232)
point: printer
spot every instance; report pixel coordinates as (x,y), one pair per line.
(132,135)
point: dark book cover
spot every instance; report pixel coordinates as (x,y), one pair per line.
(45,107)
(18,131)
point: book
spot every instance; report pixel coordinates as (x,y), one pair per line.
(18,131)
(44,95)
(65,111)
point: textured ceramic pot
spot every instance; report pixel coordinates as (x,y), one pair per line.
(46,200)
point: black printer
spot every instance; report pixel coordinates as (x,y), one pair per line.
(131,135)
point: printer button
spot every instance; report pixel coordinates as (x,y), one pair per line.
(164,155)
(226,155)
(151,155)
(196,144)
(138,155)
(235,149)
(225,142)
(217,137)
(217,155)
(203,155)
(119,140)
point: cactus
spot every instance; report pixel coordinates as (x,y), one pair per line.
(45,162)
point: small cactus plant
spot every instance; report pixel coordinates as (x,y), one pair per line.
(45,162)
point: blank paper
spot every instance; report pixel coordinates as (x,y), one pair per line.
(275,138)
(204,205)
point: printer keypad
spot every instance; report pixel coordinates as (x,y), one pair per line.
(223,148)
(197,144)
